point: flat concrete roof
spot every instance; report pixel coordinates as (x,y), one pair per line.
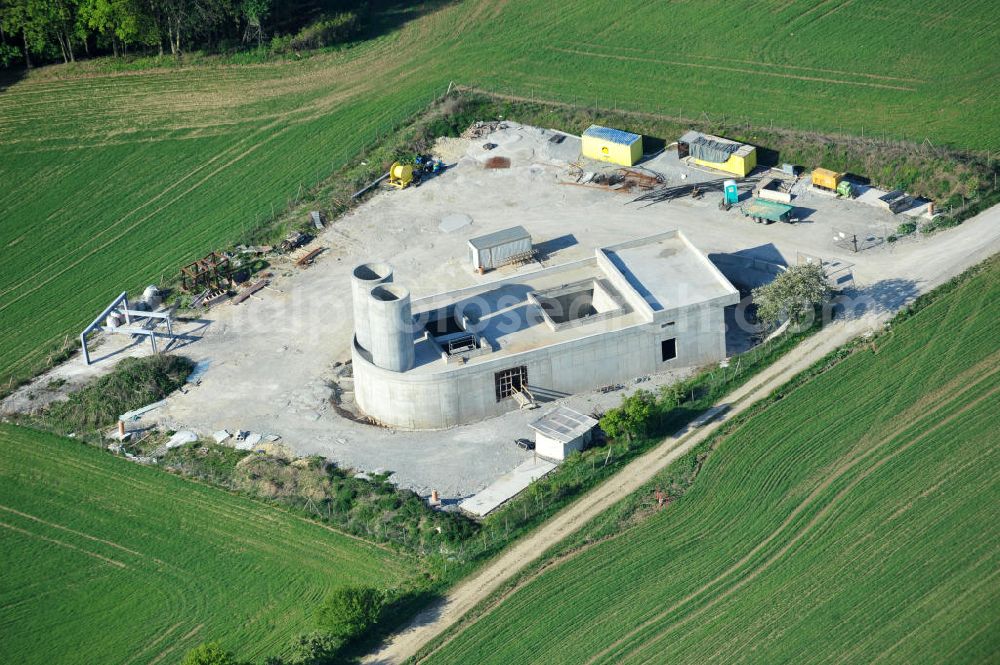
(664,270)
(669,272)
(563,424)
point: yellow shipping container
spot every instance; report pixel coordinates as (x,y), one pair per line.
(718,153)
(611,145)
(826,179)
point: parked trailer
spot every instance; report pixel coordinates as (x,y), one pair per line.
(496,249)
(768,211)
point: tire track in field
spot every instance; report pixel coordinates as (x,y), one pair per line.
(308,112)
(836,475)
(804,531)
(494,603)
(739,70)
(184,638)
(162,636)
(134,211)
(835,501)
(946,607)
(73,531)
(70,266)
(234,514)
(762,63)
(109,561)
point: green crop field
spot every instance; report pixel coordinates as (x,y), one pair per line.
(105,561)
(109,181)
(854,520)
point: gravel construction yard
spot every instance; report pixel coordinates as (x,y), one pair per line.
(275,361)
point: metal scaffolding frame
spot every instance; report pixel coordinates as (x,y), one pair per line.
(121,305)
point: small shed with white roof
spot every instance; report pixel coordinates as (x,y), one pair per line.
(561,432)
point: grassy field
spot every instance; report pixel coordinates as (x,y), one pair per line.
(854,521)
(105,561)
(114,180)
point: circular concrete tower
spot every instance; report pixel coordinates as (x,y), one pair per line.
(391,327)
(364,278)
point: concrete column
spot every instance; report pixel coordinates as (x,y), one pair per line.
(391,327)
(364,278)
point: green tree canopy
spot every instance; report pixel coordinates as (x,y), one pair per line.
(630,419)
(349,611)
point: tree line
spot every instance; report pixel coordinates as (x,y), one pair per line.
(40,31)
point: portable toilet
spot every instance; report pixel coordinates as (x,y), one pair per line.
(731,193)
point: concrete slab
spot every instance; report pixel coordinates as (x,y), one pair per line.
(670,273)
(454,222)
(870,196)
(506,487)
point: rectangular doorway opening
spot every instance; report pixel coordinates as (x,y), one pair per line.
(668,349)
(509,381)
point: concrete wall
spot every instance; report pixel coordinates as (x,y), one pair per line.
(390,321)
(551,448)
(603,301)
(461,394)
(364,278)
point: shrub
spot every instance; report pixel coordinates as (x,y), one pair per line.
(133,383)
(630,419)
(209,654)
(313,649)
(906,228)
(349,611)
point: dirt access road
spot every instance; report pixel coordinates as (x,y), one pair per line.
(954,256)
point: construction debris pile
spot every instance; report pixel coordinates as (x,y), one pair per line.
(695,190)
(619,180)
(481,128)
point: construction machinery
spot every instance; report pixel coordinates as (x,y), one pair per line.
(831,181)
(400,175)
(846,189)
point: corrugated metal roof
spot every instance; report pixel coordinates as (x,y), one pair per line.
(564,424)
(612,135)
(501,237)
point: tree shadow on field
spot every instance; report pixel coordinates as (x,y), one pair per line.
(8,77)
(385,16)
(419,607)
(378,17)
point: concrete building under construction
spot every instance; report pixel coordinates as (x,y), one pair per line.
(631,310)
